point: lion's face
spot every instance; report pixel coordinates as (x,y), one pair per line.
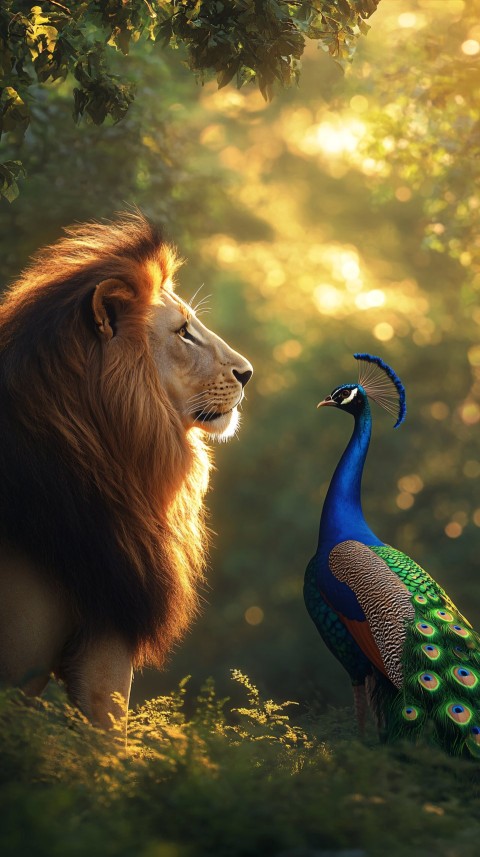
(203,377)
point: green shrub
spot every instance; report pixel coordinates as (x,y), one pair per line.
(247,782)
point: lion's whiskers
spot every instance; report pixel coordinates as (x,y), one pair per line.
(209,412)
(197,401)
(195,295)
(201,305)
(201,395)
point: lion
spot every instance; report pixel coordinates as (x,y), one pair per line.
(109,387)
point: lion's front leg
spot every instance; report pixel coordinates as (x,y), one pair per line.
(94,674)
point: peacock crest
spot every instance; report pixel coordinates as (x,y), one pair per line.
(382,385)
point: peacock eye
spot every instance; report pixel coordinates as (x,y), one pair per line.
(345,395)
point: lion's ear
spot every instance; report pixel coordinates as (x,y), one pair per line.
(109,297)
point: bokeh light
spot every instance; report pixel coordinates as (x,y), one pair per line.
(470,47)
(254,615)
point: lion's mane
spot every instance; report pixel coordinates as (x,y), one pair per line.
(100,484)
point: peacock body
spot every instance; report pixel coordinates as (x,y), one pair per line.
(407,649)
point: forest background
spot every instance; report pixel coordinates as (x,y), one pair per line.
(339,217)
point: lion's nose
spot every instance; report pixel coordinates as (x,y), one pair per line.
(243,377)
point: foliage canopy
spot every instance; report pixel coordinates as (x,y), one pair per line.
(260,40)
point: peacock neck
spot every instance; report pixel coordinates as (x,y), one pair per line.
(342,516)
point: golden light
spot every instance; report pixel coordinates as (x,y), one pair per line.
(289,350)
(453,530)
(373,298)
(353,286)
(439,410)
(407,20)
(403,194)
(254,615)
(470,47)
(470,413)
(383,331)
(388,144)
(275,277)
(349,267)
(412,483)
(371,167)
(233,158)
(476,517)
(327,298)
(474,355)
(433,809)
(405,500)
(421,337)
(334,139)
(213,136)
(227,253)
(359,103)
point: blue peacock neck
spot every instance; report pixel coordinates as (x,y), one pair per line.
(342,515)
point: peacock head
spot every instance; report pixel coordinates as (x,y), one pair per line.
(349,397)
(376,381)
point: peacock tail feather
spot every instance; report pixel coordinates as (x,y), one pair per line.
(440,694)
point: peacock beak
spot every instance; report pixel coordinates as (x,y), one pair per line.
(328,401)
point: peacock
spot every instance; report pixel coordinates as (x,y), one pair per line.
(410,654)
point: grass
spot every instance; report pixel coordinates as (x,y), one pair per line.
(255,781)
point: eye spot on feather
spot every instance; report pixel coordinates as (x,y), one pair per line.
(460,653)
(444,615)
(459,713)
(410,713)
(432,652)
(464,676)
(420,599)
(425,629)
(429,681)
(475,734)
(459,630)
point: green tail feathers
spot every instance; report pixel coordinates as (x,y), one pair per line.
(441,662)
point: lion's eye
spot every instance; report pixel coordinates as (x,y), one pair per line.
(185,333)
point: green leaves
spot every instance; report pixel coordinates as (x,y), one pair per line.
(100,94)
(10,171)
(195,784)
(262,40)
(240,40)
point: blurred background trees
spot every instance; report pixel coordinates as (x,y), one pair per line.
(340,217)
(244,40)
